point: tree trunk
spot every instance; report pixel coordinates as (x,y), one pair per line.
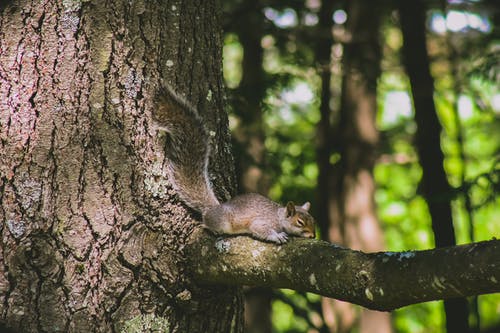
(353,220)
(92,236)
(249,141)
(324,143)
(435,186)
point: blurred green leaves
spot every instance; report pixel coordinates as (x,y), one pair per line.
(465,69)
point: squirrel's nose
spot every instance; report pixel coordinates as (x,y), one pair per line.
(309,234)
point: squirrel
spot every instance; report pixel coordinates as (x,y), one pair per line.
(188,152)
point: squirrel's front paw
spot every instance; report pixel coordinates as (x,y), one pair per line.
(278,237)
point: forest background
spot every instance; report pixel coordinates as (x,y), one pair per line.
(322,110)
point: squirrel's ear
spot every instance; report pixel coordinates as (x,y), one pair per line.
(290,209)
(306,206)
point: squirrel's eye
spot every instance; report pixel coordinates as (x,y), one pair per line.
(300,222)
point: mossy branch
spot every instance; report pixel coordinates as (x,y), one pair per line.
(380,281)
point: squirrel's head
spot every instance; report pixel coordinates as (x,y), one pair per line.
(301,222)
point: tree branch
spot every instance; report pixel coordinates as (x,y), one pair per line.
(380,281)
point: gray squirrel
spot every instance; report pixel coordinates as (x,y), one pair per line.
(188,151)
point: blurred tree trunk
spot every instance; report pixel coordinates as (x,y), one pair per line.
(454,57)
(333,318)
(352,211)
(249,134)
(324,143)
(249,140)
(435,186)
(92,236)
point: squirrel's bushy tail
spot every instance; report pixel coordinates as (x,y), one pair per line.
(188,150)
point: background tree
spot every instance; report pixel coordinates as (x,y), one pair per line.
(247,26)
(436,188)
(353,221)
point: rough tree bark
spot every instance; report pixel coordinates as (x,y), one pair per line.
(381,281)
(436,189)
(92,236)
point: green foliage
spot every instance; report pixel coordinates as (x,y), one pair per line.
(420,318)
(289,144)
(465,89)
(285,320)
(233,55)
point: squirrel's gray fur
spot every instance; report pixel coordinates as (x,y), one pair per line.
(188,151)
(188,155)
